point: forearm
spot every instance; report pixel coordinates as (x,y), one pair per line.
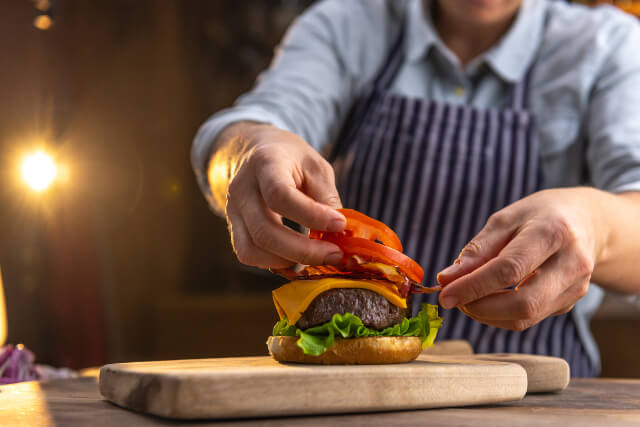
(617,262)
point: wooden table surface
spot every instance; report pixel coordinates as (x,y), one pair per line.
(585,402)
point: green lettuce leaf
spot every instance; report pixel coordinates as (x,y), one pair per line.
(318,339)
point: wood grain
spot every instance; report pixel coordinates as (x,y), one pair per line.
(260,386)
(544,373)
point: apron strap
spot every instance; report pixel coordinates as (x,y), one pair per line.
(392,64)
(521,90)
(382,81)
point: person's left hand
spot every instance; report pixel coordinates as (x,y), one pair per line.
(547,242)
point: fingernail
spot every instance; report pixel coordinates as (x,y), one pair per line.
(333,258)
(449,301)
(337,224)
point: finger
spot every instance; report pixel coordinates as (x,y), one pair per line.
(246,251)
(563,310)
(518,310)
(526,279)
(573,294)
(268,233)
(529,249)
(281,196)
(514,325)
(538,297)
(566,301)
(484,246)
(320,182)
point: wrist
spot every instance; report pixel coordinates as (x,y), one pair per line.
(584,211)
(616,265)
(597,205)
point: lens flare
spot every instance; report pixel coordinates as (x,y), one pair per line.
(39,171)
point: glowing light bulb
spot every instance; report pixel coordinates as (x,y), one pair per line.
(39,171)
(42,22)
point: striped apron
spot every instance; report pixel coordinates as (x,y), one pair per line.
(435,172)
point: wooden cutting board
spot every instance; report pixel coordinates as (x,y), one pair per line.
(259,386)
(544,374)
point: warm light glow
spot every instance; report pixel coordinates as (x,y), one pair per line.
(39,171)
(42,22)
(42,5)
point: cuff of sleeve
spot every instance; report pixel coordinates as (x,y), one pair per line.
(624,188)
(207,134)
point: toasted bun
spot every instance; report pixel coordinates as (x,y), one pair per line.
(350,351)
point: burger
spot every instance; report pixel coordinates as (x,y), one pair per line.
(355,312)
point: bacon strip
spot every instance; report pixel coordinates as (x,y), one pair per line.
(356,267)
(418,289)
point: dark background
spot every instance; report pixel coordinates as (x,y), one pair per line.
(122,260)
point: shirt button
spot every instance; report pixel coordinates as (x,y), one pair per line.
(459,91)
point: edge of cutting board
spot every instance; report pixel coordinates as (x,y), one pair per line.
(545,374)
(261,387)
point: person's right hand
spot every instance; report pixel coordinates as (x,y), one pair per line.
(279,175)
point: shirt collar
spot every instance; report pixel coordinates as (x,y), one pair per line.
(509,58)
(421,33)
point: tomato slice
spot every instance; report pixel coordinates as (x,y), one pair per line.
(373,240)
(376,252)
(365,227)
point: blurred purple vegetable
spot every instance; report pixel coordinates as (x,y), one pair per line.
(17,364)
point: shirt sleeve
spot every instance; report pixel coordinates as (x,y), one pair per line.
(613,118)
(312,81)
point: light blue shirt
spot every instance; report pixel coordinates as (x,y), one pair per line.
(585,91)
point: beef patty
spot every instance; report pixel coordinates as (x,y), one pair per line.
(374,309)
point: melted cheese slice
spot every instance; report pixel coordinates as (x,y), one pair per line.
(293,298)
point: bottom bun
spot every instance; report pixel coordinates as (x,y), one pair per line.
(349,351)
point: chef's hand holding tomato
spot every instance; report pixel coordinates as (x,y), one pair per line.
(271,173)
(551,243)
